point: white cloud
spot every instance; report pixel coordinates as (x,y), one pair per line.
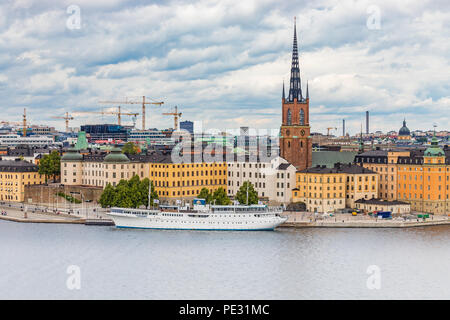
(224,61)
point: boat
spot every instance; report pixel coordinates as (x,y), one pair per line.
(200,217)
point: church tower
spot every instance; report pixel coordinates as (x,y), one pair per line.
(295,139)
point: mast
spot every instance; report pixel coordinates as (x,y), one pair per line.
(247,191)
(149,193)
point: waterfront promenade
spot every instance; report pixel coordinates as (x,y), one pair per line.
(309,220)
(39,214)
(19,212)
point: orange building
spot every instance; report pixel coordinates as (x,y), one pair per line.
(419,177)
(425,182)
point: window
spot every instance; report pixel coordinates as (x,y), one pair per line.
(289,117)
(302,117)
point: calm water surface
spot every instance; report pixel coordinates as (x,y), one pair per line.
(285,264)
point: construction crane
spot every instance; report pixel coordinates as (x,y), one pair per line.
(328,130)
(67,118)
(118,113)
(143,102)
(22,123)
(175,115)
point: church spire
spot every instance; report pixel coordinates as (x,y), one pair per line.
(283,91)
(295,88)
(307,90)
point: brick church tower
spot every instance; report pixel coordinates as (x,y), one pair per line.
(295,139)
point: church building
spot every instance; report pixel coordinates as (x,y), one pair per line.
(295,139)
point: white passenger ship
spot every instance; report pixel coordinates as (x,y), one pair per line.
(201,217)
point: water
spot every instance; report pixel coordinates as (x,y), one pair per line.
(285,264)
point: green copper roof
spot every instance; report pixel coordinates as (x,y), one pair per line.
(116,155)
(82,143)
(329,158)
(72,155)
(434,150)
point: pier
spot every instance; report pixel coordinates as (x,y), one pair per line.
(308,220)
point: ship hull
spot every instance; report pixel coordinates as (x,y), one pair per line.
(215,223)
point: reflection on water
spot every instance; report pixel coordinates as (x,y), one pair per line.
(285,264)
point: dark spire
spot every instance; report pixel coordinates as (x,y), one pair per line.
(283,91)
(295,88)
(307,90)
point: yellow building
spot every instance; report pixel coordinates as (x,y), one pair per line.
(183,181)
(385,164)
(325,189)
(424,182)
(14,176)
(419,177)
(172,181)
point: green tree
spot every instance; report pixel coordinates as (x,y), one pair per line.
(241,195)
(44,167)
(107,197)
(144,192)
(220,197)
(130,148)
(128,194)
(205,194)
(50,165)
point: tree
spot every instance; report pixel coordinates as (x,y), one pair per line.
(50,165)
(128,194)
(205,194)
(107,197)
(130,148)
(143,187)
(241,195)
(220,197)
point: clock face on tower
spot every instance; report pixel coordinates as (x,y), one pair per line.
(302,132)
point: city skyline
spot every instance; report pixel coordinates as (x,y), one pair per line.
(224,62)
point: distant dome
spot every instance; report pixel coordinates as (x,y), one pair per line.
(72,155)
(404,131)
(116,155)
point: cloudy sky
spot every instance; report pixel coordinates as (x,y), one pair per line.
(224,61)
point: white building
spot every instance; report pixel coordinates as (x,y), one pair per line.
(272,180)
(14,140)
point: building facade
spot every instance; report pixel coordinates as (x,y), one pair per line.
(295,139)
(419,177)
(373,205)
(172,181)
(273,180)
(325,189)
(14,176)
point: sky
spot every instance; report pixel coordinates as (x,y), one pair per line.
(224,61)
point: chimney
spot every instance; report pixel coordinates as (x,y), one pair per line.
(367,122)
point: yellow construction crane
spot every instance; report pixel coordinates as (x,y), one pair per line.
(143,102)
(118,113)
(328,130)
(67,118)
(175,115)
(18,123)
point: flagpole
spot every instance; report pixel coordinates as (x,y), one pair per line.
(247,192)
(149,192)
